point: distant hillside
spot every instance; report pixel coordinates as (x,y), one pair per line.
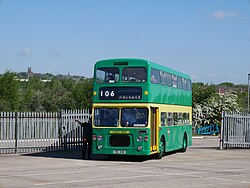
(26,91)
(25,76)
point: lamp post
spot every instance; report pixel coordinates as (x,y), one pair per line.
(248,93)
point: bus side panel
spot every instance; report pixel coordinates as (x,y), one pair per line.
(168,95)
(174,136)
(189,135)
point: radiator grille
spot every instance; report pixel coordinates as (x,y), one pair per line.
(119,140)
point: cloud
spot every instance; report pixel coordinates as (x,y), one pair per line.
(25,52)
(221,14)
(194,78)
(233,14)
(55,53)
(218,14)
(212,75)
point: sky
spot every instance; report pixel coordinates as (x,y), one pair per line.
(208,39)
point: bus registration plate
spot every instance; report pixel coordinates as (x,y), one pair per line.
(119,151)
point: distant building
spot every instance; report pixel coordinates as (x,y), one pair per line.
(47,77)
(23,80)
(29,73)
(225,89)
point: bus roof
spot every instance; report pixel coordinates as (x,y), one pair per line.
(137,62)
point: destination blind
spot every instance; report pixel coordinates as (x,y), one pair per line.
(120,93)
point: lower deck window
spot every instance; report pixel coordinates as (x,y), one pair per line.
(174,118)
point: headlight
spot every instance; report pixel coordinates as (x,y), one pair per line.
(139,148)
(99,147)
(139,138)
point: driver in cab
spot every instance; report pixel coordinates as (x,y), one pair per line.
(128,118)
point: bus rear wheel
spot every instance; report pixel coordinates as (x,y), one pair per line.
(184,145)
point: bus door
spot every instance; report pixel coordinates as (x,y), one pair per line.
(154,129)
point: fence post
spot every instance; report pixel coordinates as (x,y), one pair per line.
(16,132)
(59,118)
(221,130)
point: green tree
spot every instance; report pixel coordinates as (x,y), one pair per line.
(88,93)
(36,95)
(67,102)
(227,84)
(242,100)
(9,96)
(32,95)
(222,102)
(210,111)
(202,92)
(49,104)
(82,94)
(68,84)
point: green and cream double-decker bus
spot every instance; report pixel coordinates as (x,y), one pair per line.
(140,108)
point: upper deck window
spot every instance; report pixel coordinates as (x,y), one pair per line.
(155,76)
(107,75)
(179,82)
(169,79)
(163,78)
(189,85)
(174,81)
(184,82)
(134,74)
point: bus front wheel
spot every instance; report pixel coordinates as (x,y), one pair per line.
(161,148)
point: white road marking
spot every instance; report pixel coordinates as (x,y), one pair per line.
(52,173)
(229,180)
(142,176)
(100,179)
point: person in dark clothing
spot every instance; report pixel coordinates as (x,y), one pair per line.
(87,138)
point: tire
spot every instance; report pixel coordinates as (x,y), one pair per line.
(184,145)
(161,148)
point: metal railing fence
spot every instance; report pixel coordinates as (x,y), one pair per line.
(24,132)
(235,130)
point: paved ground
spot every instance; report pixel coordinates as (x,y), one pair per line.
(203,165)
